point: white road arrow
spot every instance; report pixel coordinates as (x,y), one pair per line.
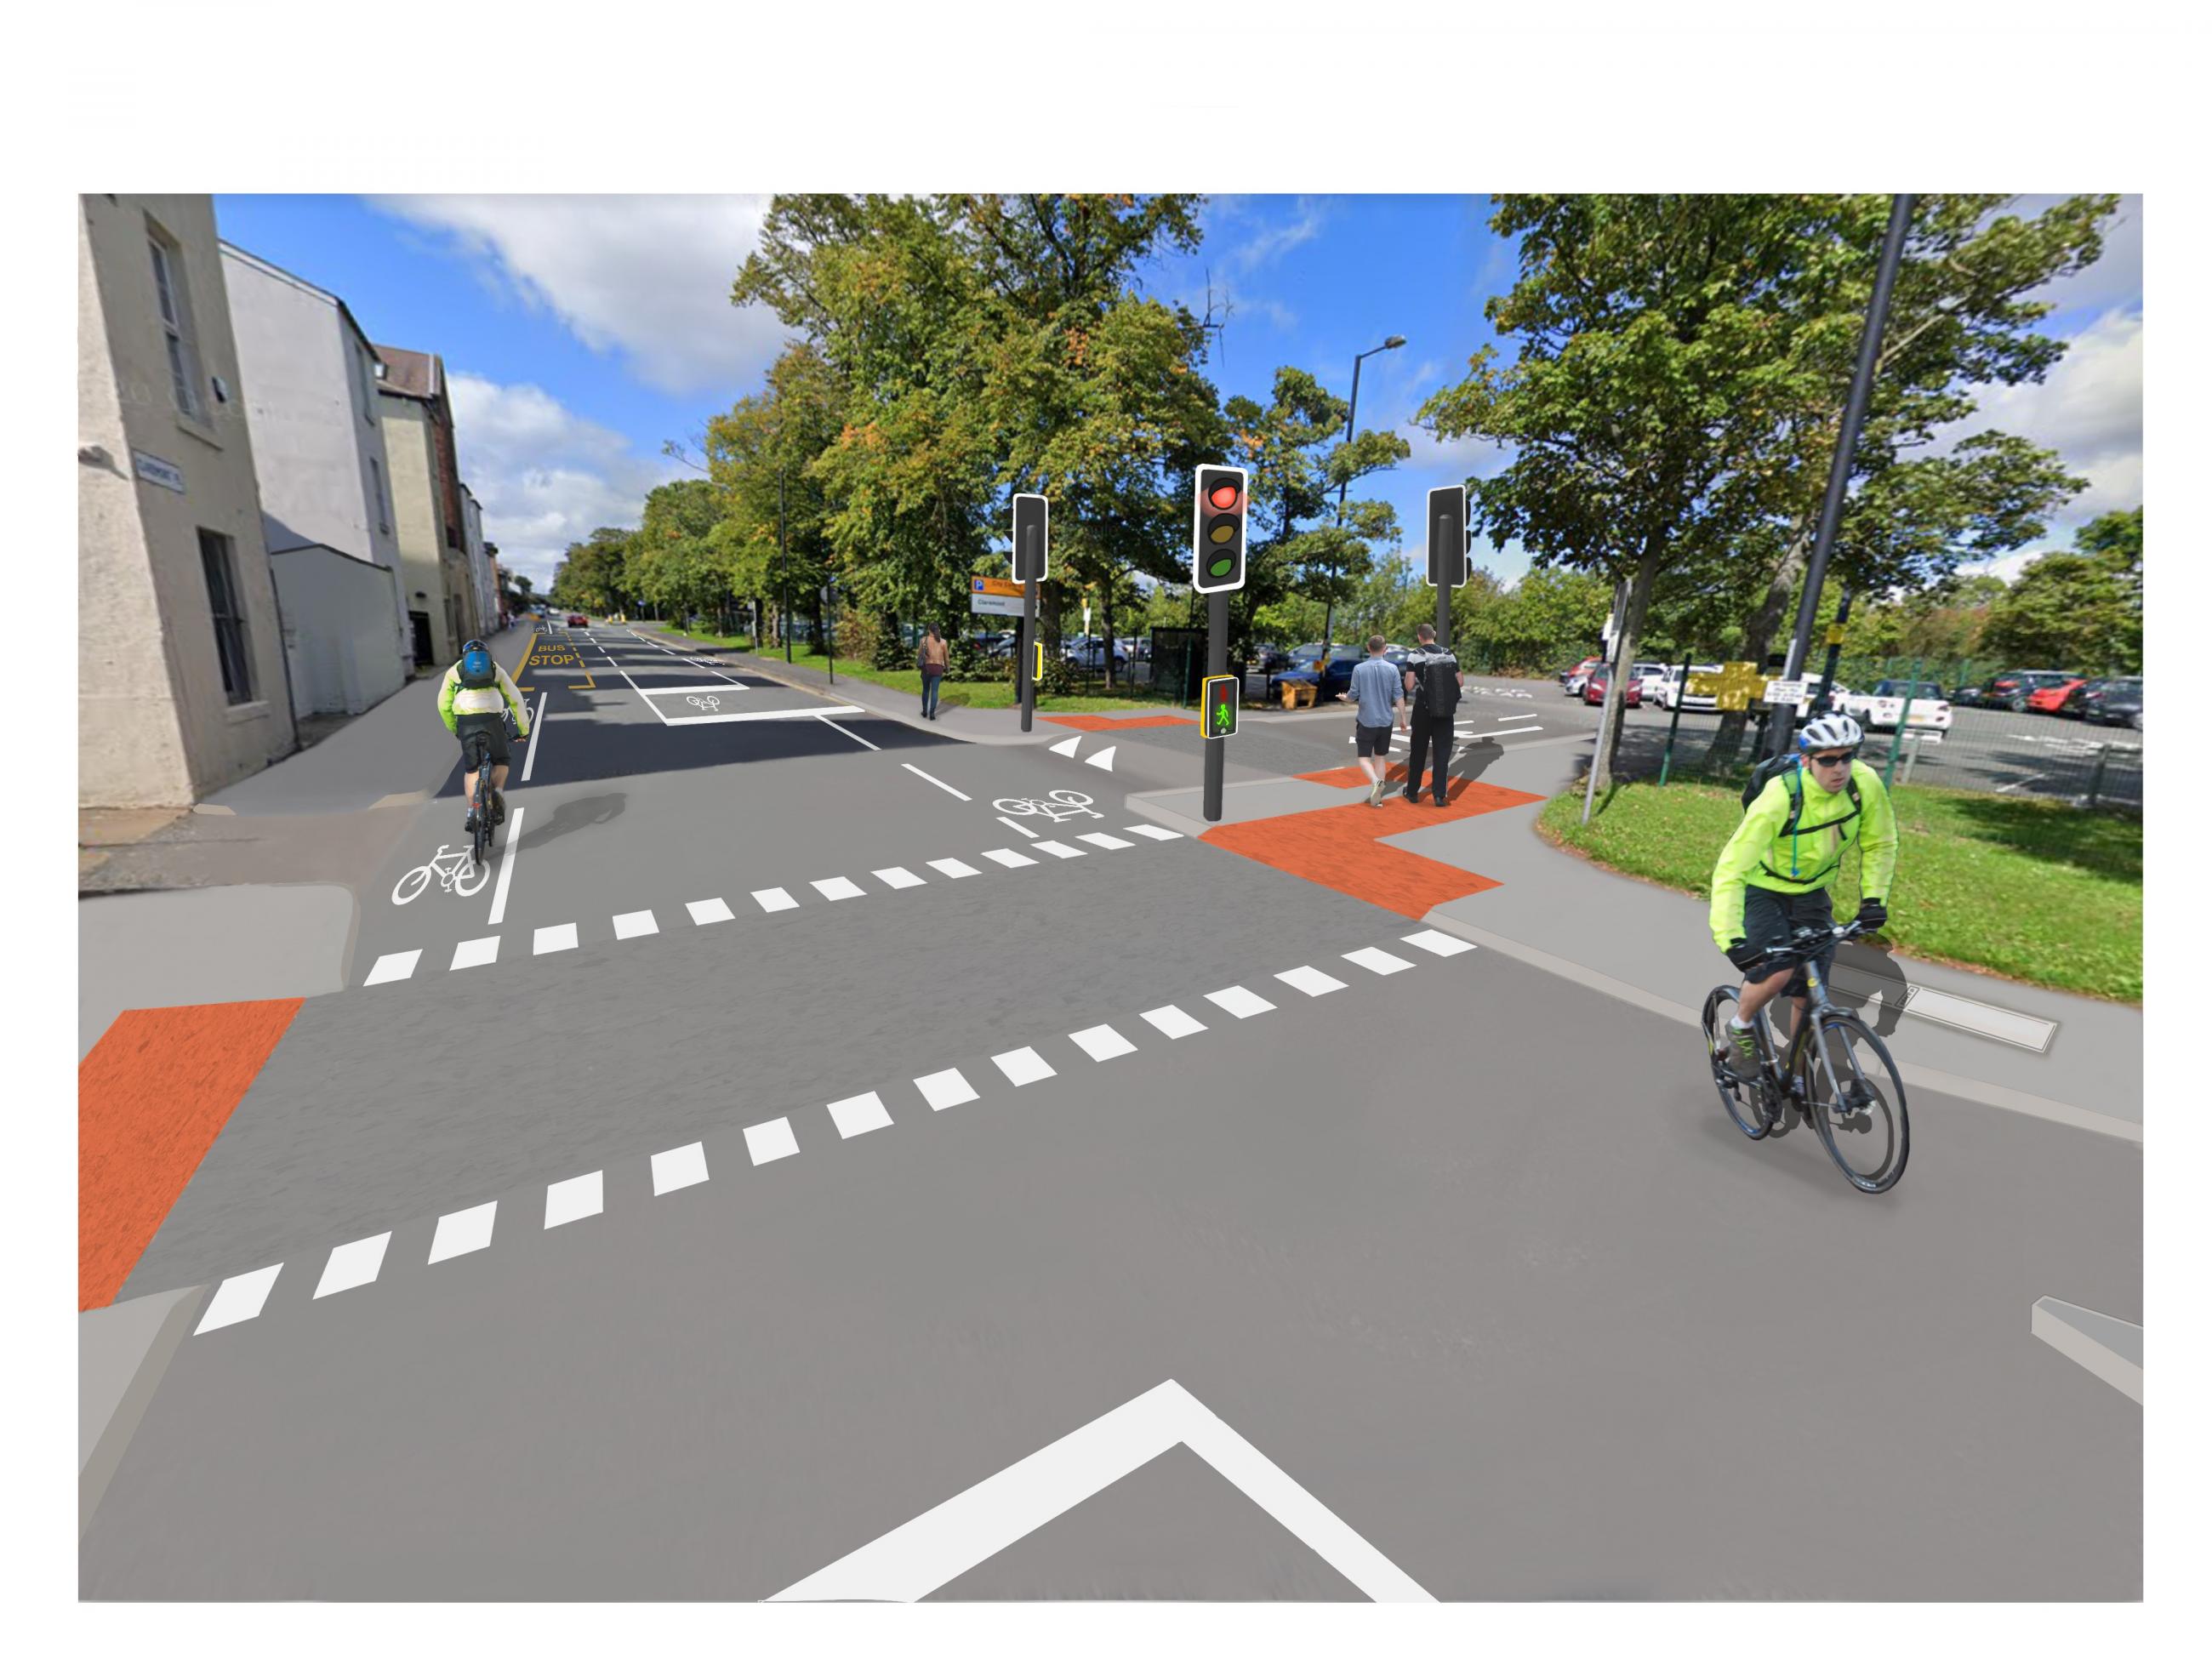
(1103,760)
(937,1547)
(1068,746)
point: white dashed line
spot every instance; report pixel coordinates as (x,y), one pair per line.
(561,937)
(474,953)
(940,782)
(954,868)
(771,1141)
(1101,1042)
(1023,1066)
(1441,945)
(943,1089)
(772,899)
(351,1265)
(1311,981)
(860,1114)
(635,924)
(1377,962)
(1173,1021)
(706,910)
(678,1167)
(898,876)
(1155,832)
(1236,1001)
(1058,849)
(463,1231)
(1007,856)
(838,887)
(400,964)
(1097,840)
(506,863)
(575,1199)
(239,1299)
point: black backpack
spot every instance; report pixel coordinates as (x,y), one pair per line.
(476,670)
(1791,770)
(1438,678)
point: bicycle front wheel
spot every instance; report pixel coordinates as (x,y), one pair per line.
(1742,1099)
(1854,1095)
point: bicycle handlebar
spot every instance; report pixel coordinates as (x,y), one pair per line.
(1806,944)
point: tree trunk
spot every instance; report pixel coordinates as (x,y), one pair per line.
(1758,630)
(1624,647)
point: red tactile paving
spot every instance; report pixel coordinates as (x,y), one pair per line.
(151,1097)
(1340,847)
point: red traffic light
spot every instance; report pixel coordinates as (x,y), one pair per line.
(1224,496)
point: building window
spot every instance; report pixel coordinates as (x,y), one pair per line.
(229,612)
(176,308)
(383,508)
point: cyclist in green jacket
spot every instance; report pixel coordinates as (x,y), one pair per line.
(1773,874)
(476,696)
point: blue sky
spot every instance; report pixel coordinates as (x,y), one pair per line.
(582,331)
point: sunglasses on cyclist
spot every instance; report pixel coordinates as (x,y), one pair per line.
(1843,759)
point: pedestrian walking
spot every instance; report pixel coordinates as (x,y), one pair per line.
(934,656)
(1379,696)
(1433,680)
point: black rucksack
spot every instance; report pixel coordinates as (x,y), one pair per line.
(1791,770)
(476,670)
(1438,678)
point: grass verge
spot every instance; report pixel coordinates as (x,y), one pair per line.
(2034,890)
(953,693)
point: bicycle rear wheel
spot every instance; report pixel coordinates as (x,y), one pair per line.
(1856,1099)
(1741,1098)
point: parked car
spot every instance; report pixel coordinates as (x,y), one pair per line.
(1088,651)
(1670,687)
(2120,704)
(2012,689)
(1330,685)
(1966,696)
(2050,699)
(1594,683)
(1649,676)
(576,619)
(1878,709)
(1572,680)
(1270,658)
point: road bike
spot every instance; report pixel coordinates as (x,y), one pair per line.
(459,871)
(1836,1074)
(480,835)
(1060,804)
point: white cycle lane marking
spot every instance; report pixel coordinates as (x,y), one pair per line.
(1060,804)
(506,861)
(935,1548)
(457,872)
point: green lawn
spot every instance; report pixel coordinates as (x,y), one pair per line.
(953,693)
(2035,890)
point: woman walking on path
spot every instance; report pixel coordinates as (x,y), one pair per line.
(934,654)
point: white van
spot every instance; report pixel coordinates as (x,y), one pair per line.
(1669,689)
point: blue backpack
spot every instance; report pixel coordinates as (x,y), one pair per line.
(476,670)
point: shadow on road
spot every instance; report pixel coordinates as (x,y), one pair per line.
(574,815)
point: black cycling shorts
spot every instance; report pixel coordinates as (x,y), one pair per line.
(1373,740)
(1770,917)
(494,727)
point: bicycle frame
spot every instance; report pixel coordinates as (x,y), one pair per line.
(1785,1068)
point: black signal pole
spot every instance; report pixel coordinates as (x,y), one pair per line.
(1847,440)
(1217,662)
(1029,653)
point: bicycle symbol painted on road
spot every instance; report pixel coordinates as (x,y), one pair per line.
(709,702)
(457,872)
(1060,804)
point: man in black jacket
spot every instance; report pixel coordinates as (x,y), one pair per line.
(1433,681)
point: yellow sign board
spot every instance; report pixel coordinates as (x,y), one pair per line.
(1835,634)
(1733,688)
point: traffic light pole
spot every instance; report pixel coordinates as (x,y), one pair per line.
(1217,662)
(1027,667)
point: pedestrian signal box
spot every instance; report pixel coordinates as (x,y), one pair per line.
(1447,537)
(1219,704)
(1032,534)
(1217,532)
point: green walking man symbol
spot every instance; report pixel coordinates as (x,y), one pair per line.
(1220,705)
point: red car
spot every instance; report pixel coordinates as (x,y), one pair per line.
(2049,698)
(1594,687)
(575,621)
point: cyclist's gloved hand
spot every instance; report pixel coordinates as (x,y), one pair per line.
(1746,955)
(1874,914)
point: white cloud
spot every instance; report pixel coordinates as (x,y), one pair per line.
(546,476)
(645,276)
(2089,408)
(2116,279)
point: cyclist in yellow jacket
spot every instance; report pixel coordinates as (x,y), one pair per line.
(474,698)
(1773,874)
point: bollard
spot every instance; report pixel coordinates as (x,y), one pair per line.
(2097,774)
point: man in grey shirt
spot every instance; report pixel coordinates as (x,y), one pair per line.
(1374,687)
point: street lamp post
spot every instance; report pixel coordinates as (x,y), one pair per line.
(1351,414)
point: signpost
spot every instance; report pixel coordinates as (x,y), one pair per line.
(1218,501)
(1032,554)
(993,596)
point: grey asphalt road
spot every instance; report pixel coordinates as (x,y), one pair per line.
(1528,1317)
(1468,1250)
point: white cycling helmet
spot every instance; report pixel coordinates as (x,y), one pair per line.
(1831,732)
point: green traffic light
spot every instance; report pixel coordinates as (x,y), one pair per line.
(1220,566)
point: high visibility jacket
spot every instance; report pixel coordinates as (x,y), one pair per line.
(1759,854)
(455,700)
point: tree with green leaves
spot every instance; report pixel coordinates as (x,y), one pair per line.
(1682,368)
(2081,609)
(761,456)
(591,577)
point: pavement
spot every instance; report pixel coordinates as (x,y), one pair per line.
(827,1154)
